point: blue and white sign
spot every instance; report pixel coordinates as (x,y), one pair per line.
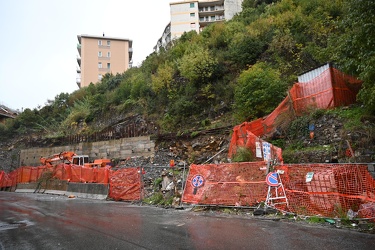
(266,151)
(272,179)
(197,181)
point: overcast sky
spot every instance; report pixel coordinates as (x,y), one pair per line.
(38,45)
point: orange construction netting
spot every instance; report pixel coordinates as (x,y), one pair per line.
(332,191)
(331,88)
(260,149)
(30,174)
(125,184)
(230,184)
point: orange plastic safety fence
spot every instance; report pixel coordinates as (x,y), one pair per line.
(8,180)
(3,177)
(72,173)
(81,174)
(125,184)
(231,184)
(345,88)
(30,174)
(62,172)
(332,190)
(314,94)
(261,150)
(329,89)
(276,119)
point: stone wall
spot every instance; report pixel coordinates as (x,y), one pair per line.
(114,149)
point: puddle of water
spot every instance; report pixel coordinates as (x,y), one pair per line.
(8,226)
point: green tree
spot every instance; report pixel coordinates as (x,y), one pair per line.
(163,77)
(198,66)
(258,92)
(355,46)
(245,49)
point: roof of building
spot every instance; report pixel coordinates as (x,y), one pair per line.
(105,37)
(8,112)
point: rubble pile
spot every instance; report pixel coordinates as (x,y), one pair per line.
(332,143)
(158,172)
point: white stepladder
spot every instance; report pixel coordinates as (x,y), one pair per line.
(276,192)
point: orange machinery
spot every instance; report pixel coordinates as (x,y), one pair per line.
(72,158)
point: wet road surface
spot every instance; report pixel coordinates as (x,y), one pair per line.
(37,221)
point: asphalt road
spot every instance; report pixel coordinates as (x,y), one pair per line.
(36,221)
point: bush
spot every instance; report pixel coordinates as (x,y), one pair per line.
(259,91)
(243,154)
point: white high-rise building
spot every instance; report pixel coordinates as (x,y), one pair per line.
(195,15)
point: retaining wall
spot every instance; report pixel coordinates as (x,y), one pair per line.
(113,149)
(82,190)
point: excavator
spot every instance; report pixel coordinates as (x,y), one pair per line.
(72,158)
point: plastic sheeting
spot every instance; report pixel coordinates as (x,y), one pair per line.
(125,184)
(332,189)
(260,149)
(231,184)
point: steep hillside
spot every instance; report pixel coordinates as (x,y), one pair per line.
(231,72)
(341,135)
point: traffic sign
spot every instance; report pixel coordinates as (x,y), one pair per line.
(272,179)
(197,181)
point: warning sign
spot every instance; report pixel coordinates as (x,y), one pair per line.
(266,151)
(197,181)
(272,179)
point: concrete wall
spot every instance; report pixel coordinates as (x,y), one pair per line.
(81,190)
(114,149)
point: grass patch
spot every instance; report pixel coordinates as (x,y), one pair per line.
(155,199)
(243,154)
(315,219)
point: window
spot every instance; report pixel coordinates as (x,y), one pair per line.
(192,5)
(192,14)
(100,77)
(108,54)
(108,65)
(192,25)
(99,54)
(100,42)
(100,65)
(108,43)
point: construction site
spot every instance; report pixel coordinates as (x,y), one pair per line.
(146,170)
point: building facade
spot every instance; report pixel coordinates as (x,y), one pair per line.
(99,55)
(195,15)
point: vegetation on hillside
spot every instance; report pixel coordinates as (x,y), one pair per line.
(238,69)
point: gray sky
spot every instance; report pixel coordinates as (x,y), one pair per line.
(38,44)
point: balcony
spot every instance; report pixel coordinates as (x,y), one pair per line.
(79,48)
(206,20)
(79,61)
(130,54)
(211,8)
(211,13)
(78,81)
(104,70)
